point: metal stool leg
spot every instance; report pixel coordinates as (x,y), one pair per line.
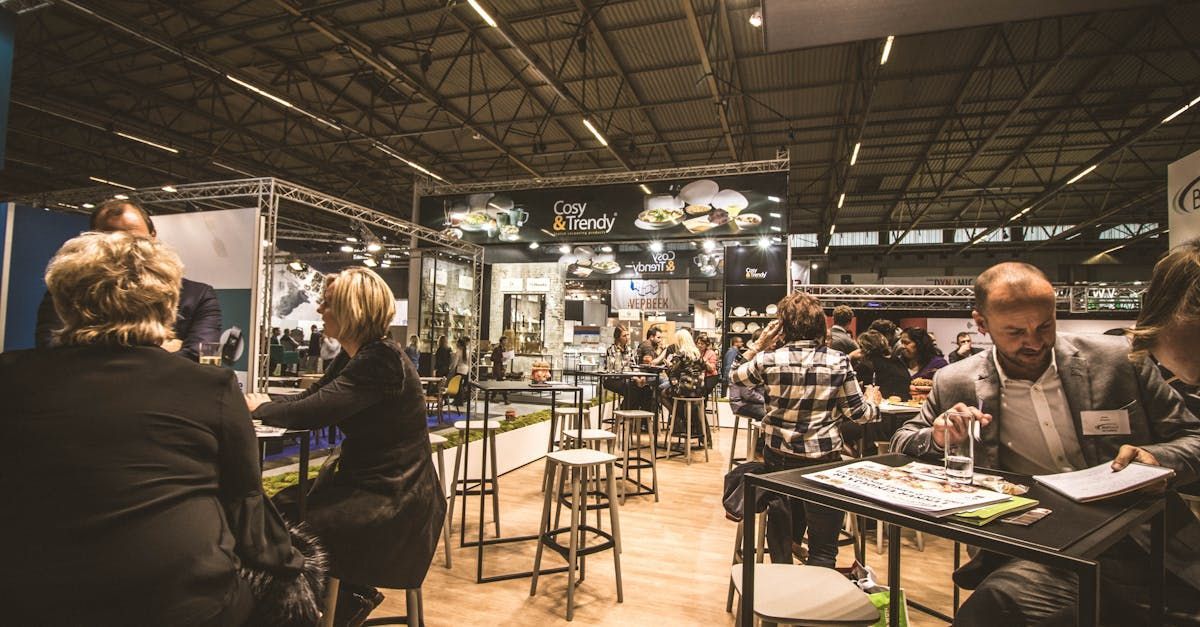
(687,443)
(491,436)
(331,595)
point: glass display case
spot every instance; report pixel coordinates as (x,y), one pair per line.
(525,322)
(447,294)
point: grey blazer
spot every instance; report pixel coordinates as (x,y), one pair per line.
(1096,375)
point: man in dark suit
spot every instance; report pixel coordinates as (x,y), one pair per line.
(1036,395)
(198,318)
(839,335)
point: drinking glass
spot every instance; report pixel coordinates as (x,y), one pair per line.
(210,353)
(960,446)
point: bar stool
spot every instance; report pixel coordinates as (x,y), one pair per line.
(690,404)
(752,427)
(438,444)
(489,428)
(592,439)
(791,594)
(580,462)
(629,438)
(760,523)
(565,418)
(412,605)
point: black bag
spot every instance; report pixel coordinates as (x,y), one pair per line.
(733,494)
(290,601)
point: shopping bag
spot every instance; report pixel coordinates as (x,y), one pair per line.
(882,601)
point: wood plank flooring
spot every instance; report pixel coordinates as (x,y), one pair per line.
(675,563)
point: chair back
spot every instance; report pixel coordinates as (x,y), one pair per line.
(454,385)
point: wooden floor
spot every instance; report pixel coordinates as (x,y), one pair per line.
(675,563)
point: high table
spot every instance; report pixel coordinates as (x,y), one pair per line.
(302,501)
(1071,538)
(487,389)
(602,376)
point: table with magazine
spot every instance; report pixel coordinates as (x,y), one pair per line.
(899,490)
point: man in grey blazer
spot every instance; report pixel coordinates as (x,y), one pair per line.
(1036,396)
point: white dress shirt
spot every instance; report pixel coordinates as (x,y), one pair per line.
(1037,432)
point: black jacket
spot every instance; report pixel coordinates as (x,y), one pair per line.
(379,507)
(132,490)
(198,319)
(891,377)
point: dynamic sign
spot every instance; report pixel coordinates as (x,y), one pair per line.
(748,204)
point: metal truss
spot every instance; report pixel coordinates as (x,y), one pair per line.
(1111,297)
(781,164)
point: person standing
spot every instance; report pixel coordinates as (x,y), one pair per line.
(731,354)
(499,358)
(441,358)
(314,349)
(839,336)
(964,348)
(198,317)
(413,351)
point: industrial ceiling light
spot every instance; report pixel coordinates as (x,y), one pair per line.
(777,216)
(482,13)
(596,133)
(854,155)
(841,200)
(351,239)
(374,247)
(88,205)
(709,246)
(416,166)
(169,189)
(887,49)
(656,247)
(347,248)
(645,189)
(121,196)
(1082,174)
(764,242)
(774,199)
(148,142)
(756,18)
(832,229)
(113,183)
(1181,110)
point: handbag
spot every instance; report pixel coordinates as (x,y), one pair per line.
(294,601)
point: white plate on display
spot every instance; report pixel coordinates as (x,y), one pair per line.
(699,192)
(731,201)
(772,310)
(752,327)
(739,311)
(737,327)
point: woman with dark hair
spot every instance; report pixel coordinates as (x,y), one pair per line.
(874,366)
(441,358)
(377,504)
(919,354)
(809,390)
(712,372)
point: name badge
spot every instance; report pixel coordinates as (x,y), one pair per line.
(1105,422)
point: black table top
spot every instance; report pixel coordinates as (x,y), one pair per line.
(525,386)
(1073,530)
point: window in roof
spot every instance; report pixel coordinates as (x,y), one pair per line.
(1042,233)
(919,236)
(1126,231)
(966,235)
(855,238)
(803,240)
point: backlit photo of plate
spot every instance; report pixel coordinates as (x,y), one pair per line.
(739,311)
(698,225)
(730,200)
(476,221)
(747,220)
(737,327)
(699,192)
(606,266)
(660,218)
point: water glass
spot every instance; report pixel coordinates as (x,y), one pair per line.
(960,446)
(210,353)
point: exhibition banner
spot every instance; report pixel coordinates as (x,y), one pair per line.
(1183,199)
(650,295)
(746,204)
(644,264)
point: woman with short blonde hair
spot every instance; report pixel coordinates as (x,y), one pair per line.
(115,288)
(360,304)
(685,345)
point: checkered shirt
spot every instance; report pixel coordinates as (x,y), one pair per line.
(809,388)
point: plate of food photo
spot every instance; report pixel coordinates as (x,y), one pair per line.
(657,219)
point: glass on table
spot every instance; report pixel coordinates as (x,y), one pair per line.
(961,428)
(210,353)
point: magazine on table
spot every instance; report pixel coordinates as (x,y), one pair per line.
(903,489)
(1101,482)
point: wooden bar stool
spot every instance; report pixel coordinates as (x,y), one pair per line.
(485,485)
(564,419)
(629,438)
(592,439)
(752,427)
(690,404)
(438,444)
(579,462)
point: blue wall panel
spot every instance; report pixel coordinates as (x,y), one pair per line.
(37,235)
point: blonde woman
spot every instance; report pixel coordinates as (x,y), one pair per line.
(132,492)
(685,373)
(377,504)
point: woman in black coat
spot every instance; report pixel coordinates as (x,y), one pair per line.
(377,504)
(132,491)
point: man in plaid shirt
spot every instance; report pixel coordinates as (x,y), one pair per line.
(809,389)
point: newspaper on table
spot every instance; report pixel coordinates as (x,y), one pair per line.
(903,489)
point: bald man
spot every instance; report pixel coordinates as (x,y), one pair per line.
(198,317)
(1029,393)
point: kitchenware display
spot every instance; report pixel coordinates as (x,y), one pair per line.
(476,221)
(730,200)
(772,310)
(739,311)
(606,266)
(658,218)
(752,327)
(737,327)
(699,193)
(748,220)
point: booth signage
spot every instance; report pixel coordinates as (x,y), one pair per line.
(650,295)
(745,204)
(646,264)
(1183,199)
(537,284)
(754,265)
(512,284)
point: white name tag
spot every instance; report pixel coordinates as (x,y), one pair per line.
(1105,422)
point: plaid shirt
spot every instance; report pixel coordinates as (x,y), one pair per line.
(809,388)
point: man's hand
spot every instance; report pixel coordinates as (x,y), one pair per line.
(254,399)
(873,394)
(1129,454)
(943,424)
(769,337)
(172,346)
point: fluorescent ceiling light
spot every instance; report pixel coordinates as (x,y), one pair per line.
(656,247)
(412,164)
(599,137)
(483,14)
(776,215)
(1177,113)
(1082,174)
(777,229)
(841,200)
(148,142)
(113,183)
(262,92)
(832,229)
(1020,213)
(347,248)
(887,49)
(121,196)
(826,251)
(533,245)
(351,239)
(169,188)
(774,199)
(854,155)
(1113,250)
(645,189)
(88,205)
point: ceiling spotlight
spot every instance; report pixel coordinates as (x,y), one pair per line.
(533,245)
(347,248)
(709,246)
(756,19)
(656,247)
(374,247)
(88,205)
(121,196)
(564,249)
(606,249)
(169,188)
(764,242)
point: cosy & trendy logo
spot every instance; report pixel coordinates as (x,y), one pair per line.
(755,273)
(1188,198)
(569,216)
(661,263)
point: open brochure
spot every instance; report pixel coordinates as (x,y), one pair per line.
(1101,482)
(905,490)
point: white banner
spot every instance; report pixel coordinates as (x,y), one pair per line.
(217,247)
(650,295)
(1183,199)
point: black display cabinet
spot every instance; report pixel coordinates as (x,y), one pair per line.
(755,280)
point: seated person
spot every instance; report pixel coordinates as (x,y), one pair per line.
(1033,387)
(685,377)
(874,365)
(133,492)
(377,504)
(919,354)
(636,392)
(712,374)
(964,348)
